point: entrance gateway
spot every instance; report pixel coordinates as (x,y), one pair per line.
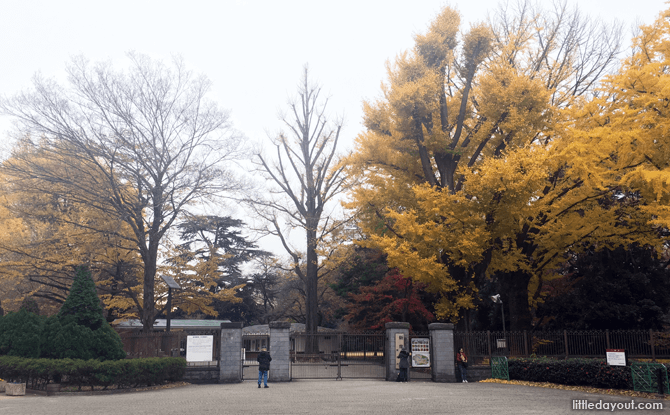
(335,355)
(328,354)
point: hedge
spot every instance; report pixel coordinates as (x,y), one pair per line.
(37,373)
(577,372)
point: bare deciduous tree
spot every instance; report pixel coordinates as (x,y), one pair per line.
(567,49)
(305,176)
(148,139)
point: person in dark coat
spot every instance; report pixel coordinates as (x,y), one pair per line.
(403,365)
(263,360)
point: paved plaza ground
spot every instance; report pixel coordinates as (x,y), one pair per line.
(320,397)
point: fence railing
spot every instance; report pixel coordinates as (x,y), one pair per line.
(163,344)
(337,355)
(646,344)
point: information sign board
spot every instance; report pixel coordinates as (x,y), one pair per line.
(421,352)
(199,348)
(616,357)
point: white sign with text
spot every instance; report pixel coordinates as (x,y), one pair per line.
(199,348)
(616,357)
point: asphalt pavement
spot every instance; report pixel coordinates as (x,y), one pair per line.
(325,397)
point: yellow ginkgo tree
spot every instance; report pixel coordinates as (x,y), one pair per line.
(47,235)
(461,118)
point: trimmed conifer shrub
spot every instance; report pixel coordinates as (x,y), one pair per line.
(82,305)
(20,334)
(79,330)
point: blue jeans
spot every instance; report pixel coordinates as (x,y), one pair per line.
(263,377)
(464,372)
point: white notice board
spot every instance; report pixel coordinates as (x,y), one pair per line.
(420,352)
(616,357)
(199,348)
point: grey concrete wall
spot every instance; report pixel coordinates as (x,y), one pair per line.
(230,364)
(442,354)
(202,374)
(391,330)
(476,373)
(280,350)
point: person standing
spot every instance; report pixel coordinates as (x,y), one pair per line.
(403,365)
(462,361)
(263,360)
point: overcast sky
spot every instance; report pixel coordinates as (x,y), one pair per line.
(253,51)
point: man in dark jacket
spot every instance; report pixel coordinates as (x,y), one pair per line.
(263,360)
(403,365)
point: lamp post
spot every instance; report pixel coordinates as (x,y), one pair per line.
(171,283)
(497,300)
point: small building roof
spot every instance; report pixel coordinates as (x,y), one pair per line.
(175,323)
(264,329)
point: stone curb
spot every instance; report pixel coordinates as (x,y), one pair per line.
(107,391)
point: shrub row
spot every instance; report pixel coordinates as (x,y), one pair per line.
(37,373)
(577,372)
(26,334)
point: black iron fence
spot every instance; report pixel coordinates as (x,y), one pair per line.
(641,344)
(158,344)
(335,355)
(163,344)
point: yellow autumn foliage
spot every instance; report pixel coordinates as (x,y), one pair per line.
(199,279)
(487,160)
(46,234)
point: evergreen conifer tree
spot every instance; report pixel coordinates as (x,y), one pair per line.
(82,304)
(29,304)
(20,334)
(79,330)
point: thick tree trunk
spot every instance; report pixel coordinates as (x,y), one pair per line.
(311,290)
(148,306)
(515,300)
(148,298)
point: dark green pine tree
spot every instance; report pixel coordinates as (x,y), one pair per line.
(82,304)
(20,334)
(79,330)
(30,305)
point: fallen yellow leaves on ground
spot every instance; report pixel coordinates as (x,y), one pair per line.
(586,389)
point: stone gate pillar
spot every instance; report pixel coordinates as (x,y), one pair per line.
(230,360)
(392,349)
(280,350)
(442,353)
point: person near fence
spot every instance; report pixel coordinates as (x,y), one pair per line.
(403,365)
(263,360)
(462,361)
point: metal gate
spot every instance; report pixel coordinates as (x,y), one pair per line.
(252,344)
(338,355)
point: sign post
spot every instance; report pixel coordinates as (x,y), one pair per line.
(171,283)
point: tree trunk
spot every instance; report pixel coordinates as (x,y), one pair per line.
(148,306)
(515,299)
(311,290)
